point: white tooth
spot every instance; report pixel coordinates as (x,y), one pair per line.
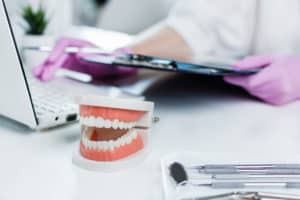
(108,146)
(121,125)
(88,145)
(111,145)
(99,122)
(93,145)
(131,135)
(93,122)
(114,143)
(104,146)
(115,124)
(129,139)
(86,121)
(82,120)
(122,140)
(124,125)
(99,145)
(89,134)
(83,141)
(107,124)
(126,140)
(130,125)
(89,121)
(96,122)
(96,145)
(134,134)
(117,143)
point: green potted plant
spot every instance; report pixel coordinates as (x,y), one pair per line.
(34,23)
(36,20)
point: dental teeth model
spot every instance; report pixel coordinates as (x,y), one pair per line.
(113,128)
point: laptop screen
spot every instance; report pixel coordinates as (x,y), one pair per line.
(16,102)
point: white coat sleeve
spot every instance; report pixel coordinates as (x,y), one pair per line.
(214,28)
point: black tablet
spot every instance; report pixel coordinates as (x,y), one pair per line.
(155,63)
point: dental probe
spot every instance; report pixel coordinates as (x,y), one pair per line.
(248,196)
(250,166)
(249,169)
(240,185)
(254,176)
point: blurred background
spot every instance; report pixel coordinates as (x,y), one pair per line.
(34,27)
(130,16)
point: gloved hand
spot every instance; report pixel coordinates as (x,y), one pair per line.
(58,58)
(277,83)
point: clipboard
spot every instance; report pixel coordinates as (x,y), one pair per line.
(163,64)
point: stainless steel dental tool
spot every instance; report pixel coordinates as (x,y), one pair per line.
(248,196)
(232,176)
(251,168)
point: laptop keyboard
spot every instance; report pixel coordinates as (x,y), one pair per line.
(49,100)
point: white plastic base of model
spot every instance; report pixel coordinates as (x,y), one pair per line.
(110,166)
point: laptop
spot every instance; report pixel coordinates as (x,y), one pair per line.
(33,103)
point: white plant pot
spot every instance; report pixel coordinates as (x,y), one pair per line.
(33,58)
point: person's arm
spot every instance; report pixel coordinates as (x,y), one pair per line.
(164,42)
(199,30)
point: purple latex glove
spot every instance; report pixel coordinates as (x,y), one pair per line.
(277,83)
(58,58)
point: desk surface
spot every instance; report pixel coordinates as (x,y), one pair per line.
(197,115)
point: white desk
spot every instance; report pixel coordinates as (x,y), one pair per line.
(219,119)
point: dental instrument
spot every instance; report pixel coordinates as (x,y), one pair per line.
(181,177)
(255,169)
(248,196)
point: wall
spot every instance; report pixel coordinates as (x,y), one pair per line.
(132,16)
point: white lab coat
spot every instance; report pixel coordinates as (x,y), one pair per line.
(236,28)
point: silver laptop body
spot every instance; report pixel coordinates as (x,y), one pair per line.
(24,99)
